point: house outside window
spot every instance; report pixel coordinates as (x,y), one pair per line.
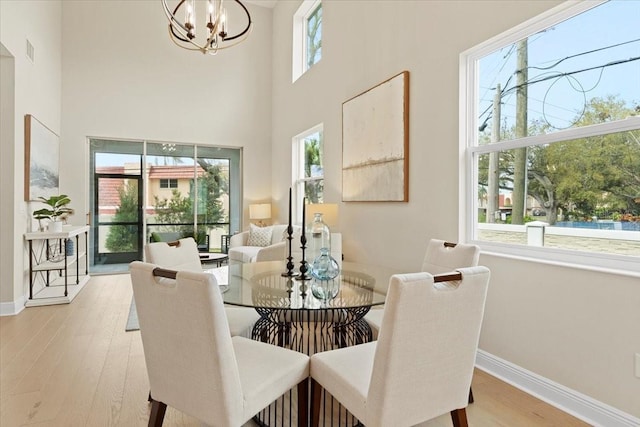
(550,135)
(308,170)
(169,183)
(307,37)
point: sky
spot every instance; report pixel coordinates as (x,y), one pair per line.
(560,100)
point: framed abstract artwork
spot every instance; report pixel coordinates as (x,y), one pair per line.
(41,157)
(375,143)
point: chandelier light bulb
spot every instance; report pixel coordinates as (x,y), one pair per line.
(223,23)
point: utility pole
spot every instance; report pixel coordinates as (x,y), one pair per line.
(520,159)
(493,179)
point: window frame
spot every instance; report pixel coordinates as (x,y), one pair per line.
(469,151)
(169,181)
(299,45)
(298,164)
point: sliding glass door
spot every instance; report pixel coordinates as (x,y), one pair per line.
(180,190)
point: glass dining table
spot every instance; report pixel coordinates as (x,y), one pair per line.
(291,316)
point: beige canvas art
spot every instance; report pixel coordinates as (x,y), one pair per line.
(375,142)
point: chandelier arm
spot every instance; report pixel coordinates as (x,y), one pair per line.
(178,36)
(171,16)
(235,43)
(197,47)
(248,24)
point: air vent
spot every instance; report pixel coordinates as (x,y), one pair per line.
(30,51)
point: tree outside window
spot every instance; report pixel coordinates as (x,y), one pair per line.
(308,167)
(314,36)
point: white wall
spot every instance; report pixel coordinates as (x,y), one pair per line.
(7,172)
(124,78)
(36,91)
(575,327)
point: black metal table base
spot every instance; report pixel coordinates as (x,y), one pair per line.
(310,331)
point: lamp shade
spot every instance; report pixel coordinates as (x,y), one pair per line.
(260,211)
(329,213)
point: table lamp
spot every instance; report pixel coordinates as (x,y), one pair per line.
(260,212)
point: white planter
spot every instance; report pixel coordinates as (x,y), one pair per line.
(55,226)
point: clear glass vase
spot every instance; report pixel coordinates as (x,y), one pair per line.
(325,290)
(319,237)
(324,271)
(325,267)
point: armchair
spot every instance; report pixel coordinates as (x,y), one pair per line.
(241,251)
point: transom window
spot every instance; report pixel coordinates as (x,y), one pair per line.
(313,30)
(307,37)
(308,170)
(551,138)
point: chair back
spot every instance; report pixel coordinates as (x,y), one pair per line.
(187,347)
(180,255)
(442,257)
(426,347)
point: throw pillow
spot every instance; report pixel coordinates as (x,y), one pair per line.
(259,236)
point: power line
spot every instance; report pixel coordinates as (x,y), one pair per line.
(585,53)
(570,73)
(506,56)
(557,76)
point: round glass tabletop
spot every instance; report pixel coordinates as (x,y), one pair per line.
(261,285)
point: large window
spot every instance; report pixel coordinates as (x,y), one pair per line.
(307,37)
(551,138)
(308,170)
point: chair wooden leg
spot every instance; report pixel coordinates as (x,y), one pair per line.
(157,413)
(470,395)
(316,395)
(459,417)
(303,403)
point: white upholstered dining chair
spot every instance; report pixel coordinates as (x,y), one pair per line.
(422,364)
(183,255)
(194,365)
(441,257)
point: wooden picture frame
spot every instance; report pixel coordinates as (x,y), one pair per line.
(375,143)
(41,160)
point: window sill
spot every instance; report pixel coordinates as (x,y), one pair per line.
(628,266)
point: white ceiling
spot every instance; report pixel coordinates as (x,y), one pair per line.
(264,3)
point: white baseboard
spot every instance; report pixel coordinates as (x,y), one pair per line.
(13,307)
(570,401)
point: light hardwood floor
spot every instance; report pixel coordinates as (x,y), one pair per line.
(74,365)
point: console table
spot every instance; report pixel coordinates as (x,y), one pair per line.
(59,270)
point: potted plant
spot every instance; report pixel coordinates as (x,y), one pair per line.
(56,212)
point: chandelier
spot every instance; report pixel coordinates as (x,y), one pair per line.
(216,25)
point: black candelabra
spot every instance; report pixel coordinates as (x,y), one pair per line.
(290,264)
(304,266)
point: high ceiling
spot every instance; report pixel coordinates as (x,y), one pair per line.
(264,3)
